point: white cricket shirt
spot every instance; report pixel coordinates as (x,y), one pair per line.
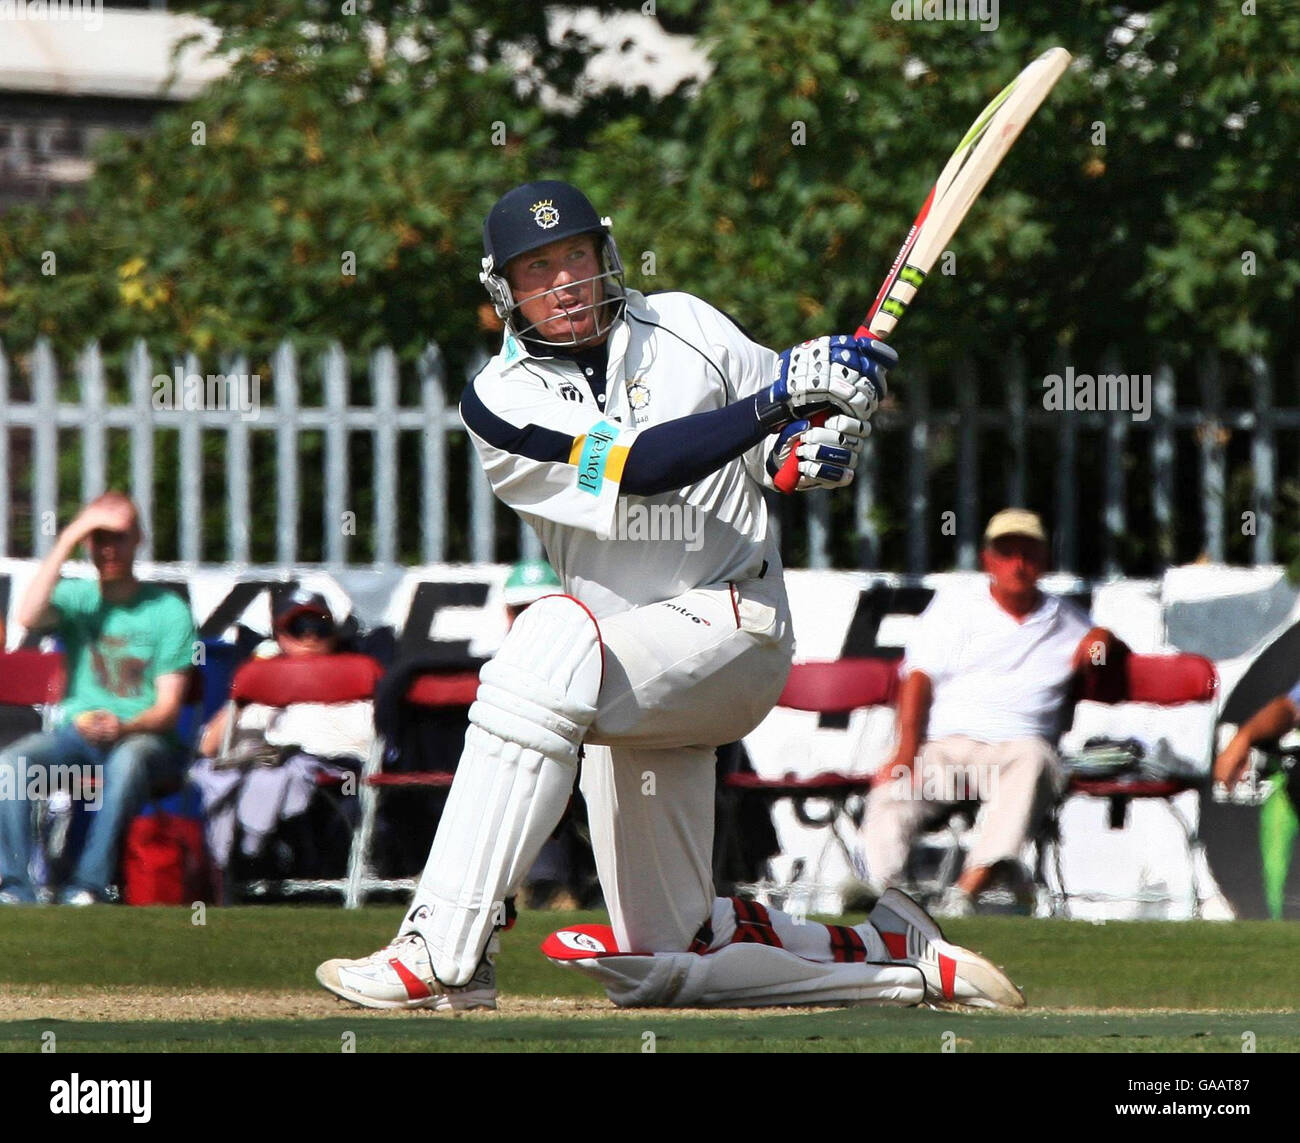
(994,678)
(556,456)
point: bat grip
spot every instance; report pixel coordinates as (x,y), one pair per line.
(788,476)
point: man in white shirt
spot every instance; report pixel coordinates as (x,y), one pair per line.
(986,676)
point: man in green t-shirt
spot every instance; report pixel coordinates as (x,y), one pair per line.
(128,648)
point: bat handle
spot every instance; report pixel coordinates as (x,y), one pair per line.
(786,479)
(788,475)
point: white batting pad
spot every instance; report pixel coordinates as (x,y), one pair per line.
(536,700)
(747,976)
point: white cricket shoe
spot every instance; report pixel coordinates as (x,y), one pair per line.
(953,975)
(401,976)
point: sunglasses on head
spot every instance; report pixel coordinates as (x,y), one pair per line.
(303,626)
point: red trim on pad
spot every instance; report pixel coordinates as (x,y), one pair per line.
(599,639)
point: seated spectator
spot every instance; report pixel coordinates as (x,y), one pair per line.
(1274,719)
(1277,818)
(128,647)
(985,679)
(269,775)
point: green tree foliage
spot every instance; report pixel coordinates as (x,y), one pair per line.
(1164,156)
(345,165)
(780,189)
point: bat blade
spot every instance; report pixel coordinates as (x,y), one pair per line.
(959,184)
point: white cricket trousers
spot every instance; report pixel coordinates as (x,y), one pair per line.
(1014,781)
(682,677)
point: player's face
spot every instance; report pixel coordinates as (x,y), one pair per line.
(557,291)
(1015,563)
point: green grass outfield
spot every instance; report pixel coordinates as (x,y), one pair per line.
(120,980)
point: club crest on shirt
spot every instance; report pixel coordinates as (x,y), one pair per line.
(569,391)
(638,396)
(545,214)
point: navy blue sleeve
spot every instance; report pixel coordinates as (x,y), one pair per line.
(678,453)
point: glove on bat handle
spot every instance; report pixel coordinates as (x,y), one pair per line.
(788,477)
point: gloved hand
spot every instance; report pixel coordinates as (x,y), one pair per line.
(838,374)
(827,454)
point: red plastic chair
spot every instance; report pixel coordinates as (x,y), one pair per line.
(454,689)
(841,686)
(838,687)
(1163,680)
(29,677)
(284,680)
(1159,680)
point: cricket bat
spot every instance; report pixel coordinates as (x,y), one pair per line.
(959,184)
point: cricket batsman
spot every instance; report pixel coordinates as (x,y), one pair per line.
(656,652)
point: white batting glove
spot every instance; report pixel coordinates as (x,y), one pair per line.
(827,454)
(838,374)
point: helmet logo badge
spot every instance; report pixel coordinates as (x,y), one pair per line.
(545,214)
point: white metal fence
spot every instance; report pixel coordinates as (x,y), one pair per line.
(1206,426)
(425,492)
(440,484)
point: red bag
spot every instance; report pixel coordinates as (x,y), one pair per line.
(164,862)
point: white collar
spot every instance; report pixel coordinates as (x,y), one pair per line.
(1045,612)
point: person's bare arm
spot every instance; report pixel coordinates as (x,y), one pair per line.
(914,697)
(1272,720)
(213,733)
(34,610)
(157,719)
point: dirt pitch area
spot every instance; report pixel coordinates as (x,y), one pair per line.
(117,1004)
